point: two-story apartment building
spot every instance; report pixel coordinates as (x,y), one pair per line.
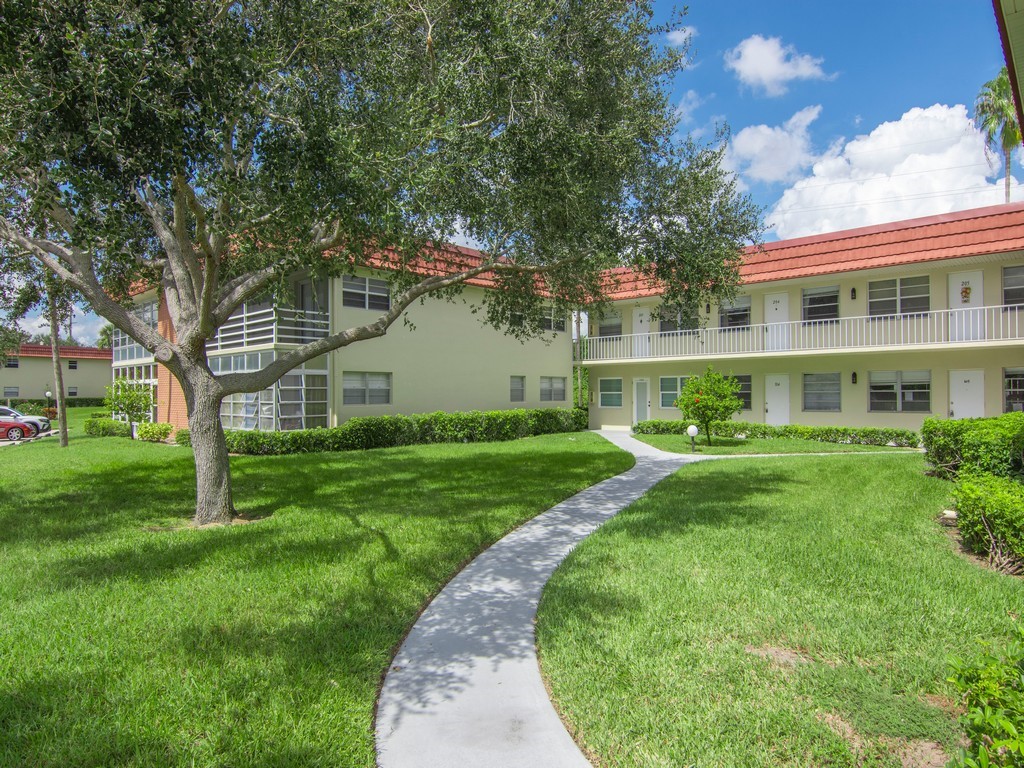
(879,326)
(444,358)
(28,373)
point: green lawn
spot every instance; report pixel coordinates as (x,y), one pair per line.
(770,612)
(129,639)
(734,446)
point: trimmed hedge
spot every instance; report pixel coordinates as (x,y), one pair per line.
(901,438)
(992,445)
(73,402)
(183,437)
(153,432)
(987,504)
(391,431)
(107,428)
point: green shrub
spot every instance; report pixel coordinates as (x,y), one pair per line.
(990,512)
(901,438)
(390,431)
(992,445)
(708,398)
(153,432)
(107,428)
(183,437)
(993,690)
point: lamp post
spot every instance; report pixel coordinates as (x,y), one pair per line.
(692,432)
(49,394)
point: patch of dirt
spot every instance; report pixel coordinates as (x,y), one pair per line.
(783,656)
(912,753)
(950,706)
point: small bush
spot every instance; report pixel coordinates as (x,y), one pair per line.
(183,437)
(107,428)
(993,690)
(901,438)
(990,514)
(708,398)
(153,432)
(993,445)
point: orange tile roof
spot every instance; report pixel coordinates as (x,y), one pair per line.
(75,353)
(981,231)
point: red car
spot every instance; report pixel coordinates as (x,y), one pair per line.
(16,430)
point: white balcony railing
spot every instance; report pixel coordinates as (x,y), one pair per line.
(269,325)
(965,327)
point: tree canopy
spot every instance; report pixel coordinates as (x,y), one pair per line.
(995,114)
(212,149)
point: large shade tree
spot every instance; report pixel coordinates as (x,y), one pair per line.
(212,149)
(995,114)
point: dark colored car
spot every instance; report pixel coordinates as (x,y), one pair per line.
(16,430)
(41,423)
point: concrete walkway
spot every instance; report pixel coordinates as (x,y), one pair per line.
(465,688)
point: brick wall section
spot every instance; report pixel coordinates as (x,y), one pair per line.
(170,400)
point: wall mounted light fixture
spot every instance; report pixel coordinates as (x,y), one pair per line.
(853,378)
(707,307)
(853,294)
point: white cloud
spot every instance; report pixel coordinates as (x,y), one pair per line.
(774,154)
(84,325)
(682,36)
(688,104)
(930,161)
(764,64)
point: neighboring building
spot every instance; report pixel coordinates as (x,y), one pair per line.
(447,360)
(28,373)
(879,326)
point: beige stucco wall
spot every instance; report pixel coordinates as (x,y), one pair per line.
(34,376)
(450,360)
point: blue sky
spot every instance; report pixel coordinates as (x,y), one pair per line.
(842,114)
(845,114)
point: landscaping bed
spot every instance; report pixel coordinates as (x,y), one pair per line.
(737,446)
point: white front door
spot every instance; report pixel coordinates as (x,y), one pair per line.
(641,332)
(641,400)
(966,299)
(966,394)
(776,318)
(776,399)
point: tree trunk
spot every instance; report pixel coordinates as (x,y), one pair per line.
(58,374)
(1006,154)
(213,468)
(579,363)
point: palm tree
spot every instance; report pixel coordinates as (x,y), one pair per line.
(996,116)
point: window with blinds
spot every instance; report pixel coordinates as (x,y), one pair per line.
(365,293)
(907,295)
(359,388)
(821,392)
(552,389)
(821,303)
(900,391)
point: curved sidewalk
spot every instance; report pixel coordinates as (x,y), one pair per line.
(465,688)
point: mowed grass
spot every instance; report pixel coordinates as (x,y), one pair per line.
(130,639)
(735,446)
(770,612)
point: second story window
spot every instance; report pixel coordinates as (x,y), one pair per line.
(365,293)
(670,323)
(610,325)
(12,362)
(904,296)
(552,321)
(72,365)
(735,314)
(821,303)
(1013,285)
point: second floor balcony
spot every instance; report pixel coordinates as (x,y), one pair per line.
(941,328)
(265,325)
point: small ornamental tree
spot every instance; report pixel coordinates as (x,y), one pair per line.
(708,398)
(132,399)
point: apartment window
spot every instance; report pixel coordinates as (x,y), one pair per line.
(365,293)
(609,393)
(366,388)
(735,314)
(72,365)
(746,392)
(900,391)
(10,392)
(72,391)
(517,389)
(678,322)
(1013,389)
(821,303)
(1013,285)
(670,387)
(821,392)
(610,325)
(551,320)
(302,400)
(907,295)
(552,389)
(12,362)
